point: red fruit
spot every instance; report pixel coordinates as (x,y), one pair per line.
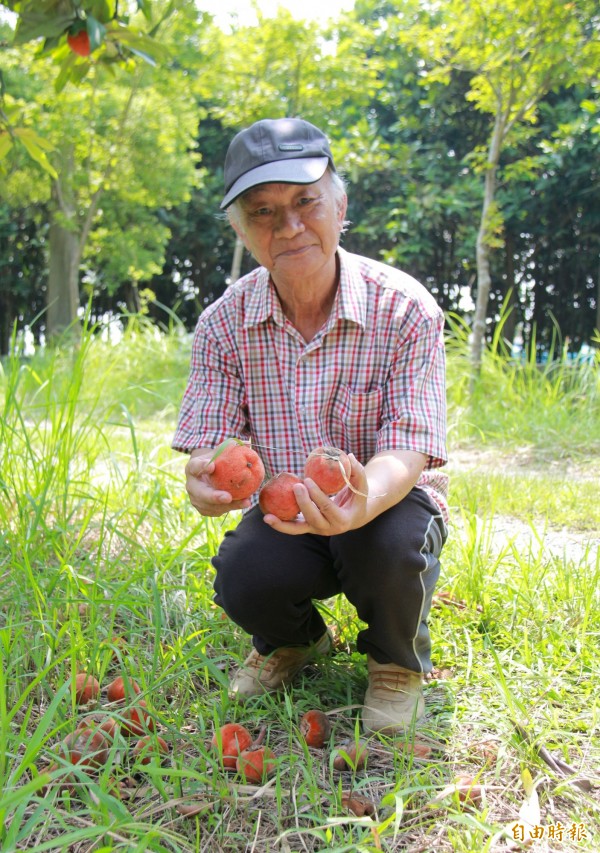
(107,726)
(231,740)
(352,755)
(136,721)
(148,747)
(277,497)
(468,790)
(256,764)
(121,688)
(315,728)
(79,42)
(327,467)
(238,469)
(85,747)
(86,688)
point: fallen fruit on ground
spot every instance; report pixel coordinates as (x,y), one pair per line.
(121,688)
(277,496)
(358,804)
(136,720)
(315,728)
(256,764)
(468,790)
(108,726)
(231,739)
(149,747)
(238,469)
(87,688)
(351,755)
(329,467)
(86,747)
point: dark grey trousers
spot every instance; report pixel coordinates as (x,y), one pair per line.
(267,581)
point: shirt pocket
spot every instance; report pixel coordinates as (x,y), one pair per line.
(356,420)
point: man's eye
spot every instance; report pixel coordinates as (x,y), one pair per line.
(307,199)
(261,211)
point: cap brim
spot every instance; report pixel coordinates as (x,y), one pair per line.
(304,170)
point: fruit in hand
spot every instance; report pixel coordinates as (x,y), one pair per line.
(229,742)
(329,468)
(238,469)
(277,496)
(121,688)
(86,688)
(352,755)
(315,728)
(79,42)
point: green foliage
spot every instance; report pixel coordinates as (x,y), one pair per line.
(550,410)
(412,146)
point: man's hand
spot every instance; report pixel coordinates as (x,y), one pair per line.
(385,480)
(324,515)
(207,500)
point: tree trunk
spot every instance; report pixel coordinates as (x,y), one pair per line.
(484,278)
(63,280)
(64,243)
(511,303)
(132,297)
(6,321)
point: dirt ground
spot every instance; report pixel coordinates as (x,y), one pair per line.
(507,530)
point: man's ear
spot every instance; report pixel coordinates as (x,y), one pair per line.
(342,208)
(235,224)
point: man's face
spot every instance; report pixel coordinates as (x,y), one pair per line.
(291,229)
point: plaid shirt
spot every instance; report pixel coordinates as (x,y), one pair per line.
(372,379)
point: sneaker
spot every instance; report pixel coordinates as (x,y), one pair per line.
(261,674)
(394,698)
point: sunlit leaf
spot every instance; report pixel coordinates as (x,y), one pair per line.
(6,143)
(32,141)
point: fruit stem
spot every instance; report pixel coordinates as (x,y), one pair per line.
(260,737)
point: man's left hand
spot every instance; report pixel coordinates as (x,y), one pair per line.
(325,515)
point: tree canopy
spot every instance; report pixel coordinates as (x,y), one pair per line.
(469,138)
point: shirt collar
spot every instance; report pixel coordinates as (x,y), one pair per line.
(350,302)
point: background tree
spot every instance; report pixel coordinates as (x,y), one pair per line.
(516,51)
(410,142)
(124,141)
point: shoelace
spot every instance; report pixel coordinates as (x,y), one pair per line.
(389,680)
(261,662)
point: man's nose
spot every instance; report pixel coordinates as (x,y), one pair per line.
(288,223)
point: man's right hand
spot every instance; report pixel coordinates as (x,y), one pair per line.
(203,497)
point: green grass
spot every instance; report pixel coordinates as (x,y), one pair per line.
(99,541)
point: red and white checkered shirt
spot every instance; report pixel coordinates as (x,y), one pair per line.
(372,379)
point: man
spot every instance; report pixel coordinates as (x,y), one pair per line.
(318,347)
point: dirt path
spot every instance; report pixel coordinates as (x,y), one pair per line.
(507,530)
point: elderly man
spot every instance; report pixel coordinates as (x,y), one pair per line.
(319,347)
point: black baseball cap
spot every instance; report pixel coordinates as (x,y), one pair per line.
(282,150)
